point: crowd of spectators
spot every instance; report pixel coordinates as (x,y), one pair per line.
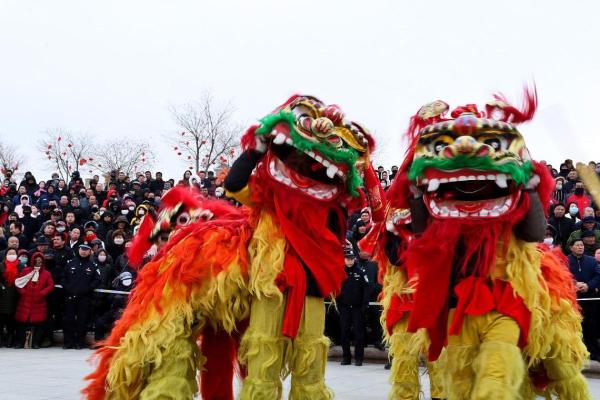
(60,240)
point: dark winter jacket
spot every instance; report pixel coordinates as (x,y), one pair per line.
(355,289)
(585,269)
(81,277)
(8,293)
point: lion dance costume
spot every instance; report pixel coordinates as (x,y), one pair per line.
(245,283)
(502,306)
(387,240)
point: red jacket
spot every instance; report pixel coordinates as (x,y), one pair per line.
(582,202)
(32,303)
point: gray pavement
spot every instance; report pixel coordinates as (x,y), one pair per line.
(49,374)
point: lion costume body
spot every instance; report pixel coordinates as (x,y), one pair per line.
(503,308)
(246,283)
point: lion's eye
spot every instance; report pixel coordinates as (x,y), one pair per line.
(183,219)
(439,145)
(493,143)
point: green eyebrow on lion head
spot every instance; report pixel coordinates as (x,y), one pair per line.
(520,173)
(340,153)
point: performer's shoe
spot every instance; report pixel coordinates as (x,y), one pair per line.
(346,362)
(358,363)
(388,365)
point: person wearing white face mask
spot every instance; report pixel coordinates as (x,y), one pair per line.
(115,245)
(550,236)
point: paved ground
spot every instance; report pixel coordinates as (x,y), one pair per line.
(54,373)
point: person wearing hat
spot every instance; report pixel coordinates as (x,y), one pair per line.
(105,224)
(550,237)
(56,215)
(587,224)
(81,277)
(352,304)
(41,245)
(589,242)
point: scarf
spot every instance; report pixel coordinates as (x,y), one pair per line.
(33,276)
(11,272)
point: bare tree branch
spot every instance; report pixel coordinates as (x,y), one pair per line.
(207,133)
(10,158)
(123,155)
(65,150)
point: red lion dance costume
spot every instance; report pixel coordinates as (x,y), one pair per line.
(245,283)
(479,284)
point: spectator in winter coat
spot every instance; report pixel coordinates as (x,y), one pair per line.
(587,224)
(31,225)
(75,239)
(352,303)
(586,274)
(23,202)
(579,197)
(9,270)
(81,277)
(19,196)
(564,226)
(33,284)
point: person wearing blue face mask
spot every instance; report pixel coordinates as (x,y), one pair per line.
(573,212)
(579,197)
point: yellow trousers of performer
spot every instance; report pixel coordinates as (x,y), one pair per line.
(484,361)
(270,357)
(406,350)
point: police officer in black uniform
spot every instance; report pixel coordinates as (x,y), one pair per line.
(352,304)
(81,277)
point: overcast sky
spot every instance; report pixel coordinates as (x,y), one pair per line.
(113,68)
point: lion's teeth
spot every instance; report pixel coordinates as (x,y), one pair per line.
(331,171)
(434,184)
(279,139)
(501,181)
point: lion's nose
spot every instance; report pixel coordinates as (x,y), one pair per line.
(467,146)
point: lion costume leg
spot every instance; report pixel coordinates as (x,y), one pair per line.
(437,386)
(404,375)
(309,354)
(270,356)
(264,351)
(484,361)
